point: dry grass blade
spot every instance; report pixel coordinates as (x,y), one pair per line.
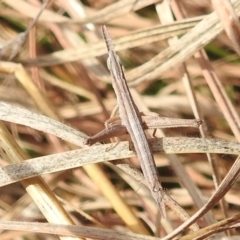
(229,20)
(74,231)
(101,153)
(106,14)
(134,39)
(31,11)
(116,10)
(177,166)
(42,123)
(226,184)
(11,48)
(37,189)
(197,38)
(210,230)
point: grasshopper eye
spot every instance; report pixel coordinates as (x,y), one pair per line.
(109,63)
(114,62)
(118,59)
(120,63)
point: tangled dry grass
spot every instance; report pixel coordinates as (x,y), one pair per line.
(181,61)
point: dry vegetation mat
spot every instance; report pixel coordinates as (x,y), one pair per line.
(133,134)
